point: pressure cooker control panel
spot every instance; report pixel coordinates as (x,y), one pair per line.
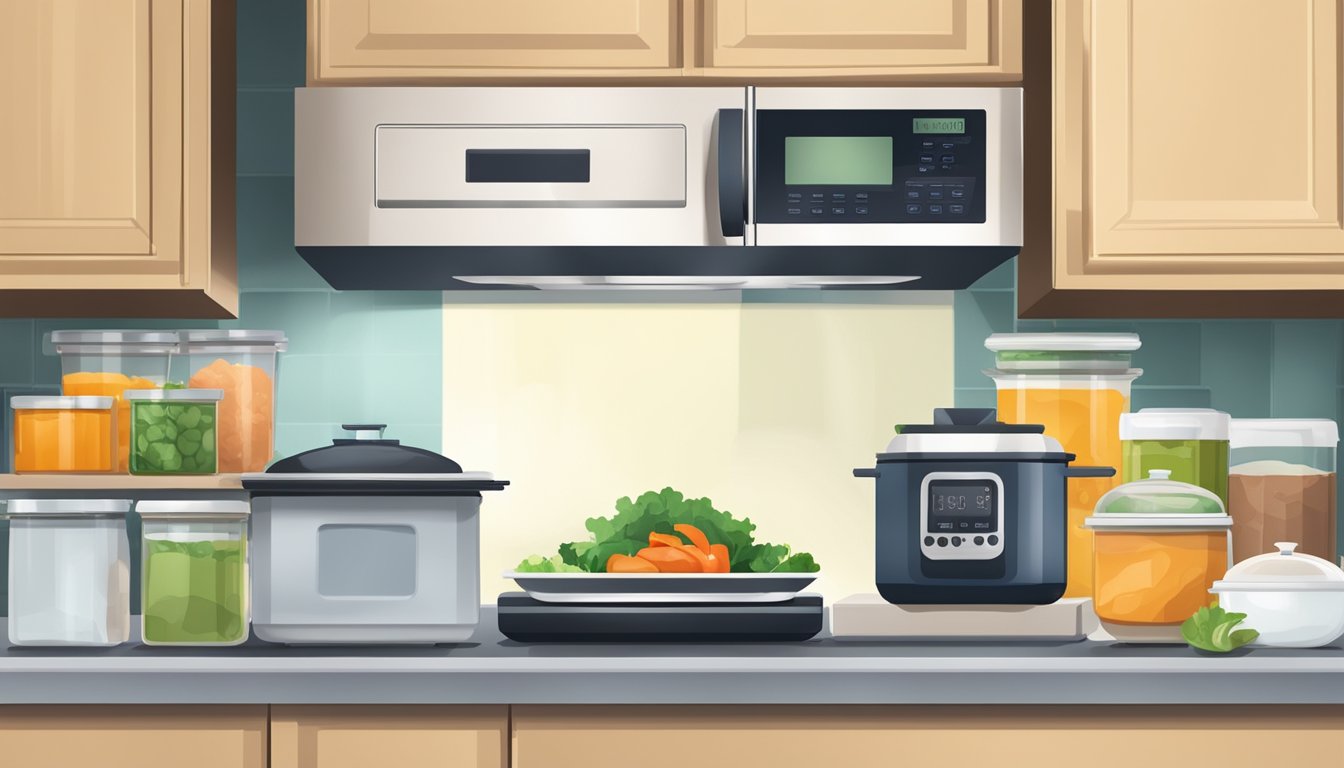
(961,516)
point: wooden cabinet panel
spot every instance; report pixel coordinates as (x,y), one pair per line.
(133,737)
(418,40)
(1196,148)
(865,37)
(404,736)
(109,112)
(1025,736)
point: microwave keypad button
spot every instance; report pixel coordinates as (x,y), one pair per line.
(926,158)
(956,208)
(795,197)
(935,194)
(860,195)
(838,211)
(861,210)
(818,195)
(927,144)
(913,208)
(912,194)
(838,196)
(949,159)
(935,208)
(949,145)
(958,193)
(795,211)
(818,211)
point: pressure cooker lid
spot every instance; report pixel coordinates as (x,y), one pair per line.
(973,431)
(369,462)
(1284,570)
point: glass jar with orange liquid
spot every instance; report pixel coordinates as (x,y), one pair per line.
(1077,385)
(107,363)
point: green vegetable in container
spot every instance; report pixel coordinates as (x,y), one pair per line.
(173,437)
(195,591)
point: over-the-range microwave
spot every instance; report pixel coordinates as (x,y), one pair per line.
(657,186)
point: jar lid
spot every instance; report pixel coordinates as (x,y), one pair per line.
(236,338)
(179,395)
(62,403)
(135,338)
(1063,342)
(1061,379)
(1284,570)
(1175,424)
(217,509)
(1159,502)
(67,508)
(1283,433)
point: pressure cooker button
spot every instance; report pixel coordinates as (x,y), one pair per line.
(928,541)
(993,540)
(942,541)
(979,541)
(956,541)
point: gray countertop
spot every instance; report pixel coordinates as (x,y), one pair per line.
(493,670)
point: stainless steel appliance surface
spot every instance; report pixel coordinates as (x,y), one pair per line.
(657,187)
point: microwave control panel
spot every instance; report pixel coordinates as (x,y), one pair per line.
(870,166)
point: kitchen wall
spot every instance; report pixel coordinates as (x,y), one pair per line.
(1249,368)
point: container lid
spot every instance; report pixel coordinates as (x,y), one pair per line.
(1062,379)
(1063,342)
(1159,502)
(114,338)
(178,395)
(1284,433)
(367,462)
(236,338)
(67,508)
(1284,570)
(217,509)
(1175,424)
(977,431)
(55,402)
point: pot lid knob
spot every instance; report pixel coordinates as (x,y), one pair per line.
(365,431)
(1159,474)
(1286,547)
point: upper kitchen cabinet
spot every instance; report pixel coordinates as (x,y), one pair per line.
(418,41)
(1196,159)
(117,158)
(978,40)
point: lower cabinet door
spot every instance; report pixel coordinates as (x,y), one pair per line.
(1002,736)
(378,736)
(133,737)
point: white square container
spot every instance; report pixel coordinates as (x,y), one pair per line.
(69,572)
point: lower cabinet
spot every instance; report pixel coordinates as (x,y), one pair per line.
(401,736)
(1007,736)
(133,737)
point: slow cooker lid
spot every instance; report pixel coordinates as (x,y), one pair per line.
(1284,570)
(972,431)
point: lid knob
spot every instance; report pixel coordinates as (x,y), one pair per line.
(366,431)
(1286,547)
(1159,474)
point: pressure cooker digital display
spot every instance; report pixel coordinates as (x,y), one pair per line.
(961,499)
(961,516)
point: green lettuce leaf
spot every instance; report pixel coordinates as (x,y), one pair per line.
(1213,629)
(539,564)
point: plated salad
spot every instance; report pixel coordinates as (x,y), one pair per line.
(665,532)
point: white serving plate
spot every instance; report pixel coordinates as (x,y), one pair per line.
(662,587)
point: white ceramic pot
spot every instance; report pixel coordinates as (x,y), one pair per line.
(1292,600)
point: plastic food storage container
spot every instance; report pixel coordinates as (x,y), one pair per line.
(1293,600)
(173,431)
(69,572)
(107,363)
(1160,545)
(1281,486)
(194,572)
(244,365)
(1192,443)
(1077,385)
(64,434)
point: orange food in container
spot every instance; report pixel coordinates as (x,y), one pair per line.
(64,434)
(1160,545)
(244,364)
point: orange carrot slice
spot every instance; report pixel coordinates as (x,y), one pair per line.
(670,559)
(697,536)
(627,564)
(718,556)
(664,540)
(706,565)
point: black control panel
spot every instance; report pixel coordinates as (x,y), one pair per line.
(870,166)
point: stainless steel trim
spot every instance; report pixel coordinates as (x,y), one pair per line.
(683,283)
(749,156)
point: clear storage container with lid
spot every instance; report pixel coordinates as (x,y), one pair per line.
(107,363)
(1293,600)
(194,572)
(244,364)
(1191,443)
(1281,485)
(1160,545)
(173,431)
(64,434)
(69,572)
(1077,385)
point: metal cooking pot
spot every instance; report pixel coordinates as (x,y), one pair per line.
(971,510)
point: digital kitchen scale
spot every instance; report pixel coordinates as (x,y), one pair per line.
(526,620)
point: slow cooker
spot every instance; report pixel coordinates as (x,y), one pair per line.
(971,510)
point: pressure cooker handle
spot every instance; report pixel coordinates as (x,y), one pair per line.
(866,472)
(1089,471)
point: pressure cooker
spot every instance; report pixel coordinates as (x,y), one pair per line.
(971,510)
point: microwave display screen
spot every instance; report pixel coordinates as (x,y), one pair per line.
(939,125)
(837,160)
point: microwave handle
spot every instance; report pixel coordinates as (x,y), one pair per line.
(732,184)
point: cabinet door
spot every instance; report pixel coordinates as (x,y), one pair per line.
(1196,148)
(877,38)
(106,168)
(133,737)
(427,40)
(1017,736)
(401,736)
